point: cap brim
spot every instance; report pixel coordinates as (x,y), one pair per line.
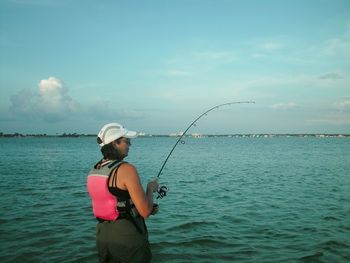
(131,134)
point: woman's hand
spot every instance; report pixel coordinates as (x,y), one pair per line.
(153,185)
(155,209)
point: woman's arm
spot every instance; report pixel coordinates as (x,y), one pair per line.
(130,180)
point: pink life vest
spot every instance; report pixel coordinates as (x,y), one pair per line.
(104,204)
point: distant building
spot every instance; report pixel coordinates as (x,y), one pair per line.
(176,134)
(197,135)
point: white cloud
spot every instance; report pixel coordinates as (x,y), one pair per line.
(54,98)
(339,46)
(293,82)
(271,46)
(342,104)
(339,118)
(195,63)
(215,55)
(258,55)
(50,85)
(338,114)
(196,58)
(283,106)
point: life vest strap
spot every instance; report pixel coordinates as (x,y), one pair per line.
(122,215)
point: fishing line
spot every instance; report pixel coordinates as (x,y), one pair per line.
(163,189)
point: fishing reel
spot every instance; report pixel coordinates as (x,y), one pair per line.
(162,191)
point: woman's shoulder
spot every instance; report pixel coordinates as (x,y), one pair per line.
(128,174)
(127,168)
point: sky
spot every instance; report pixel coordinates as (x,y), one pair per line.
(154,66)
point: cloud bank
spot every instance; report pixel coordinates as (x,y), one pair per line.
(49,102)
(283,106)
(331,76)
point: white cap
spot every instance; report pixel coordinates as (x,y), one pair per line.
(114,131)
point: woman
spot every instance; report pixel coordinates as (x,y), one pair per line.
(119,202)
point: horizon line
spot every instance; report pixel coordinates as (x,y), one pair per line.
(198,135)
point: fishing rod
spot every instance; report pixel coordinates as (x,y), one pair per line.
(163,189)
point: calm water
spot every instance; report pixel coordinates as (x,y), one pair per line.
(230,199)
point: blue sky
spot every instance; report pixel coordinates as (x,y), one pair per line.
(72,66)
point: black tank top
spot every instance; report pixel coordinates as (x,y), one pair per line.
(114,190)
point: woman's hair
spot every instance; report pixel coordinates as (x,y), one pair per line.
(110,152)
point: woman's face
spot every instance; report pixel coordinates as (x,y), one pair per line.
(123,146)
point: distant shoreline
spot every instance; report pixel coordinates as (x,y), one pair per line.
(194,135)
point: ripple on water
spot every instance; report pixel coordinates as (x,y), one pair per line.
(189,225)
(314,258)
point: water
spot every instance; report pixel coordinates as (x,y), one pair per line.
(230,199)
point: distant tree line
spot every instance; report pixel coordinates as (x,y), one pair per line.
(16,134)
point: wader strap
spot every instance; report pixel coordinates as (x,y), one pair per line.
(131,216)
